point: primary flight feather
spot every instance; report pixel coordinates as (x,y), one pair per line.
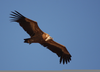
(38,36)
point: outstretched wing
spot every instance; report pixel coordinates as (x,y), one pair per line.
(59,49)
(30,26)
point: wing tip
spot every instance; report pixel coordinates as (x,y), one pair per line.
(15,15)
(65,59)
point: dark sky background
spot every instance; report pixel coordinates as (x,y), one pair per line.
(72,23)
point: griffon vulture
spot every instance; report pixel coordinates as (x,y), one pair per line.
(38,36)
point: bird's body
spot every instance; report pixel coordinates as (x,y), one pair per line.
(38,36)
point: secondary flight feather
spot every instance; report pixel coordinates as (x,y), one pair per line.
(38,36)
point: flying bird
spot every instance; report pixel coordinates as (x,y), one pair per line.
(38,36)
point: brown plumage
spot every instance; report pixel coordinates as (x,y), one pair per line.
(38,36)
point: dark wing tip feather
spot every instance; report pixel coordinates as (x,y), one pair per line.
(16,16)
(63,57)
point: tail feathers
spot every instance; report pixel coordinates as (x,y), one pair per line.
(27,40)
